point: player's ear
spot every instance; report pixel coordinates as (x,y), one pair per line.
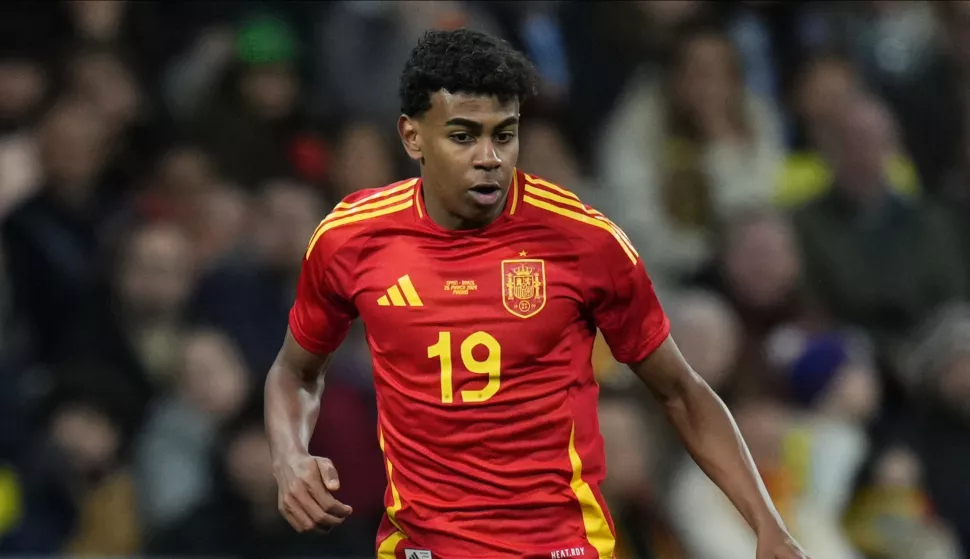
(410,134)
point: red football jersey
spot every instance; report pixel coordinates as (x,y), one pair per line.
(481,344)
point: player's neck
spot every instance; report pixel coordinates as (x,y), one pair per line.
(453,222)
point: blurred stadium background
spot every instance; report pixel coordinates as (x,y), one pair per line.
(796,175)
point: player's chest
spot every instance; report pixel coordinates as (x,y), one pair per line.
(516,291)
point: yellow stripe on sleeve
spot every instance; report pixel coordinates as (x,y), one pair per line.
(575,203)
(327,225)
(583,218)
(377,195)
(537,181)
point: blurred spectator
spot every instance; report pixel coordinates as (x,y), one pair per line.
(24,82)
(255,128)
(605,44)
(825,85)
(681,152)
(901,49)
(51,238)
(126,348)
(173,453)
(878,259)
(241,517)
(758,269)
(262,273)
(22,172)
(105,80)
(808,455)
(546,153)
(631,489)
(79,494)
(808,466)
(708,525)
(99,77)
(121,26)
(364,45)
(362,158)
(939,374)
(892,517)
(708,334)
(195,74)
(835,374)
(187,190)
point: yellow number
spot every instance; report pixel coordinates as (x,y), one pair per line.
(491,365)
(442,350)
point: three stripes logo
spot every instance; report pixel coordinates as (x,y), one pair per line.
(402,294)
(417,554)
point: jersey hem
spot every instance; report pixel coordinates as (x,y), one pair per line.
(304,341)
(653,342)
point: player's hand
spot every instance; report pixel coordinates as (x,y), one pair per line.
(778,544)
(306,486)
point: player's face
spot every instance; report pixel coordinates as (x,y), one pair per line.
(469,146)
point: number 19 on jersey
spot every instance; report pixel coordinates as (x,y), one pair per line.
(491,365)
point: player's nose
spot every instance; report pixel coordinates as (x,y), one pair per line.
(486,157)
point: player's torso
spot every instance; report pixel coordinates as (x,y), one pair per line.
(482,371)
(507,301)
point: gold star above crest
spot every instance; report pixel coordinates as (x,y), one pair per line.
(523,253)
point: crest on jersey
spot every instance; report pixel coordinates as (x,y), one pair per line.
(524,286)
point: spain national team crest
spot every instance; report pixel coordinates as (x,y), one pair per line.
(524,286)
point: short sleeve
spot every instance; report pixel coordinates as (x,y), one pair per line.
(322,312)
(622,300)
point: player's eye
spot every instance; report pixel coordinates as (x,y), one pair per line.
(462,137)
(505,137)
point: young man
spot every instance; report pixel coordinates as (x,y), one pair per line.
(481,288)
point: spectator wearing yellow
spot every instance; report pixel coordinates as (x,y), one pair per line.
(823,87)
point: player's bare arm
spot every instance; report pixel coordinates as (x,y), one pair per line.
(292,397)
(711,436)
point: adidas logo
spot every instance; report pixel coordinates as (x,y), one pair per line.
(417,554)
(402,294)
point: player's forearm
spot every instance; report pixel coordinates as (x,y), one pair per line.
(292,404)
(710,434)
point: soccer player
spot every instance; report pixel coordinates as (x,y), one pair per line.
(481,288)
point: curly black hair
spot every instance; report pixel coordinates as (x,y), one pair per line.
(464,61)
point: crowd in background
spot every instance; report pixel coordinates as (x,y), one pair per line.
(796,176)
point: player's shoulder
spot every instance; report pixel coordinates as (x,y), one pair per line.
(360,212)
(559,208)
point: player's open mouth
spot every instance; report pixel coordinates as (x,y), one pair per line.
(486,194)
